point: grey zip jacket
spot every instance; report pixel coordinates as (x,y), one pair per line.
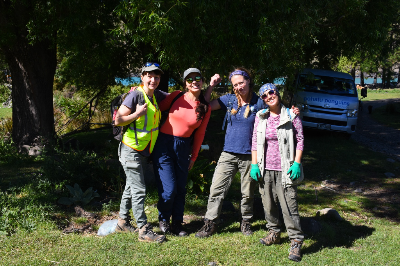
(286,144)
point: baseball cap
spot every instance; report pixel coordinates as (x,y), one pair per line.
(149,66)
(190,70)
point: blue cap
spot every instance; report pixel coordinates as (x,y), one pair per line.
(268,87)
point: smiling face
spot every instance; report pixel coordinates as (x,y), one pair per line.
(195,85)
(271,99)
(241,85)
(150,80)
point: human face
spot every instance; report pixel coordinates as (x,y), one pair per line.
(194,86)
(241,85)
(270,98)
(150,80)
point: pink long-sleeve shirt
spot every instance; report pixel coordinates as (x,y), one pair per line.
(272,155)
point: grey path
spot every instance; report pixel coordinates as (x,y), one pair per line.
(377,136)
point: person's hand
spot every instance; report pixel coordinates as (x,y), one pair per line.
(296,171)
(133,88)
(191,163)
(215,80)
(296,110)
(255,172)
(141,110)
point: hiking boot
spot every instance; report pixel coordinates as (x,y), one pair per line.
(124,225)
(165,227)
(294,251)
(208,229)
(146,234)
(272,238)
(245,227)
(176,228)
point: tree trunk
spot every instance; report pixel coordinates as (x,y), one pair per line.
(388,77)
(361,78)
(32,68)
(163,86)
(353,73)
(383,77)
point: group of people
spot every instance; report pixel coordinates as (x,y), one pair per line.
(263,141)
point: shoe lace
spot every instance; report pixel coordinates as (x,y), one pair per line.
(246,226)
(149,230)
(206,227)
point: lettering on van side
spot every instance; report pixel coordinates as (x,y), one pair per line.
(322,100)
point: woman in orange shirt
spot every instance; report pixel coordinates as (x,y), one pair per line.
(174,155)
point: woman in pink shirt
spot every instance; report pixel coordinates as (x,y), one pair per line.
(277,148)
(174,154)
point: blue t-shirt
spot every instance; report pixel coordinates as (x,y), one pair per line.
(239,130)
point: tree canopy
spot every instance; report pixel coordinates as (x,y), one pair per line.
(90,43)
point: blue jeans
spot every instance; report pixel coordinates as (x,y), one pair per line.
(171,162)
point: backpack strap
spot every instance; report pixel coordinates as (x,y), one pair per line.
(228,112)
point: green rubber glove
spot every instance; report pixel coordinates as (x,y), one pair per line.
(296,171)
(255,172)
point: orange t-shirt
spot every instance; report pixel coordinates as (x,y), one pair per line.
(181,121)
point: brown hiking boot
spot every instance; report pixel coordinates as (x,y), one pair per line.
(146,234)
(245,227)
(208,229)
(272,238)
(165,227)
(124,225)
(295,250)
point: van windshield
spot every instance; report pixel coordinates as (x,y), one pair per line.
(330,85)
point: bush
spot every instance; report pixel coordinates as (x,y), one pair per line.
(5,93)
(82,167)
(200,176)
(25,207)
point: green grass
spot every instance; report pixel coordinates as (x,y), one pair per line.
(381,94)
(388,114)
(369,234)
(5,112)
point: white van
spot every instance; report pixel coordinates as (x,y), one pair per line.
(327,100)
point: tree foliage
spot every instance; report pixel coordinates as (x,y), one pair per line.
(92,42)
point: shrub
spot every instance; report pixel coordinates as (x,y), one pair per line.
(78,166)
(200,176)
(5,93)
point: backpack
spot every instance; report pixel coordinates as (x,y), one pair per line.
(118,131)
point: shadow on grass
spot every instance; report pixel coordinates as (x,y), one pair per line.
(337,234)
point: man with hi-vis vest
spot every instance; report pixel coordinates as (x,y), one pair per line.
(141,113)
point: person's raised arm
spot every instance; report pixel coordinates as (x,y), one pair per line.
(207,95)
(125,117)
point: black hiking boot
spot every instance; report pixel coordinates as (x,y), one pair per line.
(165,227)
(177,229)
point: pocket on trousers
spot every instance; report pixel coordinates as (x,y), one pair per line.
(132,164)
(291,198)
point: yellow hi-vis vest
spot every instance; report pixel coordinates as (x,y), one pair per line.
(146,127)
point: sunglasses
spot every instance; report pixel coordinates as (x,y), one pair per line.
(151,64)
(270,92)
(190,80)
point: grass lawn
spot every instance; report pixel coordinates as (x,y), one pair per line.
(5,112)
(335,167)
(381,94)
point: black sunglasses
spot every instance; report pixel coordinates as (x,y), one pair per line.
(151,64)
(190,80)
(270,92)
